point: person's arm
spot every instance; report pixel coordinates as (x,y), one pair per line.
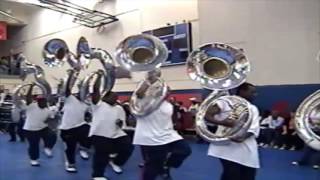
(68,88)
(29,95)
(142,90)
(284,130)
(254,127)
(214,110)
(96,96)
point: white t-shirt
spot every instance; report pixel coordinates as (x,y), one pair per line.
(73,113)
(36,117)
(246,152)
(122,115)
(104,118)
(156,128)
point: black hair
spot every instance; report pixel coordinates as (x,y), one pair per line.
(243,87)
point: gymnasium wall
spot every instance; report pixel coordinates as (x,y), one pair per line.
(280,37)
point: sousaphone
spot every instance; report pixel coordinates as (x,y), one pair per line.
(220,67)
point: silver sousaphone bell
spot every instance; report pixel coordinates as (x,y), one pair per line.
(220,67)
(307,120)
(28,68)
(144,53)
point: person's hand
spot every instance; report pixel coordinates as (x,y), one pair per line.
(119,123)
(284,133)
(236,139)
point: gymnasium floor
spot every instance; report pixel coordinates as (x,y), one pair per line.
(14,165)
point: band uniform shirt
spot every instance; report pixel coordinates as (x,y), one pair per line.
(246,152)
(122,116)
(73,113)
(36,117)
(156,128)
(104,118)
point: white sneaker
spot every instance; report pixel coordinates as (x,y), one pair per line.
(34,163)
(113,155)
(71,168)
(261,144)
(296,163)
(48,152)
(84,154)
(315,166)
(117,169)
(292,149)
(100,178)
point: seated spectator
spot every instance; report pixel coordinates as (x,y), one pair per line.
(264,128)
(273,128)
(289,138)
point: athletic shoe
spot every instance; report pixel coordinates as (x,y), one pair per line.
(117,169)
(141,165)
(261,144)
(166,175)
(84,154)
(34,163)
(71,168)
(113,155)
(296,163)
(276,147)
(100,178)
(315,166)
(283,148)
(292,149)
(48,152)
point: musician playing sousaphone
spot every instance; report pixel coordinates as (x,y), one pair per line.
(239,157)
(162,147)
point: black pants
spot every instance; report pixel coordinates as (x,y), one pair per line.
(49,138)
(16,128)
(170,155)
(310,157)
(72,137)
(235,171)
(103,147)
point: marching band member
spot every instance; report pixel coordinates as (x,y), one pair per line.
(36,127)
(106,133)
(74,129)
(162,146)
(239,158)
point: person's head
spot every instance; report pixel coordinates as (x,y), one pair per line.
(275,114)
(180,103)
(152,76)
(246,91)
(110,98)
(42,102)
(172,99)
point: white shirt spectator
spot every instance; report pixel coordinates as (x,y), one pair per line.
(246,152)
(73,113)
(275,123)
(104,118)
(16,114)
(36,117)
(156,128)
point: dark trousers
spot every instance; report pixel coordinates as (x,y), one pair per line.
(103,147)
(310,156)
(170,155)
(73,137)
(235,171)
(16,128)
(49,138)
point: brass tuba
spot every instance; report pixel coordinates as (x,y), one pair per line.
(56,52)
(40,81)
(220,67)
(307,120)
(144,53)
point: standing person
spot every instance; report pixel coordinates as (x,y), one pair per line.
(74,129)
(36,127)
(239,158)
(162,147)
(17,122)
(106,134)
